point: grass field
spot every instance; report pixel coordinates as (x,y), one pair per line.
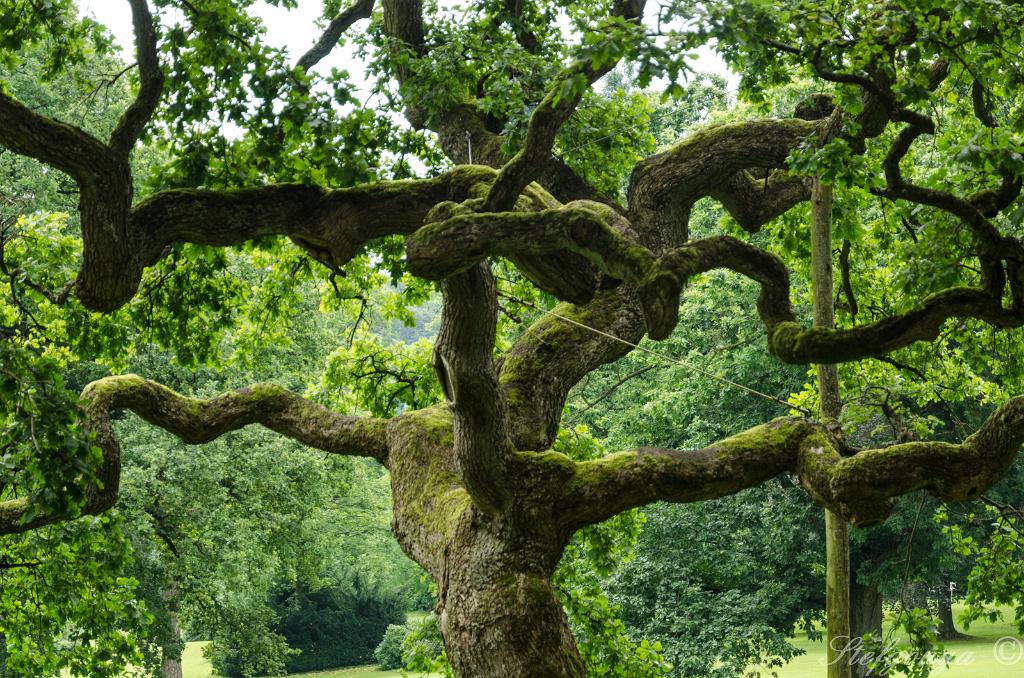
(973,658)
(194,665)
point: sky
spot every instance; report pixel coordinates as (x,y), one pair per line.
(296,31)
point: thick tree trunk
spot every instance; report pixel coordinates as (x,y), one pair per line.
(500,617)
(947,625)
(865,618)
(498,613)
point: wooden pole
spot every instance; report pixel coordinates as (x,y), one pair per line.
(837,531)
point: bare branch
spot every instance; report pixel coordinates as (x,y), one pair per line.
(151,81)
(361,9)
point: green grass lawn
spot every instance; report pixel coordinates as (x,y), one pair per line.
(194,665)
(973,658)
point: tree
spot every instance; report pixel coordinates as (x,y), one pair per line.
(480,499)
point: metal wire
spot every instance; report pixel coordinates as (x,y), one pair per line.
(662,356)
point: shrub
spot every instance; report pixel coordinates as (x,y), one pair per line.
(322,628)
(389,653)
(338,626)
(423,648)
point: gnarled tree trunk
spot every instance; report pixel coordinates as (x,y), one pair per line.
(480,500)
(498,613)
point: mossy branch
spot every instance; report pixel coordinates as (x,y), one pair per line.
(787,339)
(331,225)
(584,228)
(860,487)
(198,421)
(714,162)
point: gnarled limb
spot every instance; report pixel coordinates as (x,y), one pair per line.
(198,421)
(55,143)
(787,339)
(332,225)
(753,201)
(361,9)
(700,256)
(100,170)
(447,247)
(463,360)
(151,82)
(552,356)
(859,488)
(664,187)
(792,343)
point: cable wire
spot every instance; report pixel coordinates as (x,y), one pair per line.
(661,356)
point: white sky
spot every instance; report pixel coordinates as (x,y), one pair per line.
(296,31)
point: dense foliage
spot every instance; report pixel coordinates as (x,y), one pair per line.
(324,628)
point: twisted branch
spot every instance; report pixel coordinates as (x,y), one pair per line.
(858,487)
(198,421)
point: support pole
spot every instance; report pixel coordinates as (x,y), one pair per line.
(837,531)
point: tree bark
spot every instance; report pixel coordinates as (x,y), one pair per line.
(500,616)
(498,613)
(865,618)
(947,625)
(172,660)
(837,537)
